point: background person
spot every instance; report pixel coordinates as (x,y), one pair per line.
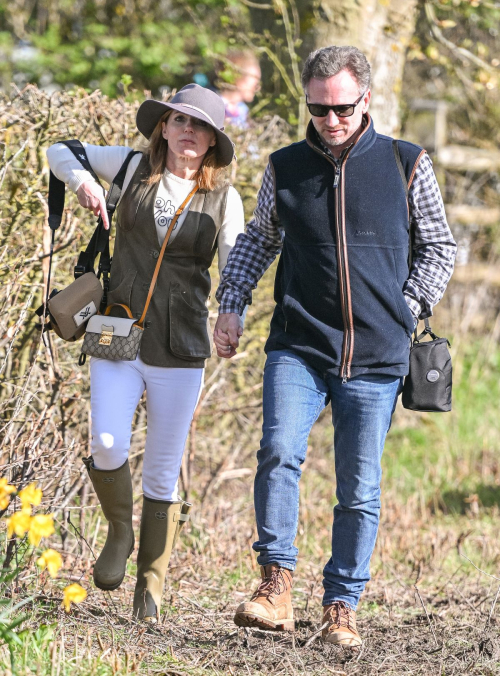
(187,148)
(243,70)
(335,206)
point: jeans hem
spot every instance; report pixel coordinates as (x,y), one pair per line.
(288,566)
(350,603)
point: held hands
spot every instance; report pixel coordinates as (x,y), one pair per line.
(227,334)
(91,196)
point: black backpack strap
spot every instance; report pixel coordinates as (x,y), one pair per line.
(80,153)
(112,199)
(401,170)
(57,189)
(56,198)
(99,242)
(399,165)
(404,180)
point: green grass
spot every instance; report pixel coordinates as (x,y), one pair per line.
(452,454)
(441,504)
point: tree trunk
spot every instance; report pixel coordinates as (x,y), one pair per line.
(380,28)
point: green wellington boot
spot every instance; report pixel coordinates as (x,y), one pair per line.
(161,524)
(114,490)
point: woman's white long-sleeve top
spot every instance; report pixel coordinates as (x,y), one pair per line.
(172,190)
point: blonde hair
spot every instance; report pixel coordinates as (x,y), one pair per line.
(209,176)
(234,65)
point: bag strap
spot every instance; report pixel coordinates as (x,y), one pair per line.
(160,257)
(399,164)
(57,188)
(99,242)
(57,193)
(125,307)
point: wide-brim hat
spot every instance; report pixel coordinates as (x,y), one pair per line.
(195,101)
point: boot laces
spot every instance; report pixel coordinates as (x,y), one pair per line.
(272,585)
(340,615)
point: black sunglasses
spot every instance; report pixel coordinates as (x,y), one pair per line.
(342,110)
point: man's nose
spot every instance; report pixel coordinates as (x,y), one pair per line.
(331,119)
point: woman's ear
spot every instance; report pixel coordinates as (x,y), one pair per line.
(164,131)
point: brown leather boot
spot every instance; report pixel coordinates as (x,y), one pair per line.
(271,605)
(341,627)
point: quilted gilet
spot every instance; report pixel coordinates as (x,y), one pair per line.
(176,327)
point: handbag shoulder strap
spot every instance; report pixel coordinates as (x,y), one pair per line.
(160,257)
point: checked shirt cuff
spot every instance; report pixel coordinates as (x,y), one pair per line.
(414,306)
(230,303)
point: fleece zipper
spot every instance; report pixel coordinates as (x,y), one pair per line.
(342,257)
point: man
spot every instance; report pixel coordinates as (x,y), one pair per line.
(335,206)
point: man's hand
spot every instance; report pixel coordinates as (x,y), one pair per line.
(91,196)
(227,334)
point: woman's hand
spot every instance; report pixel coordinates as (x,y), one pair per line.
(91,196)
(227,334)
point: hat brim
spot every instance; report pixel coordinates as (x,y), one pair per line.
(151,111)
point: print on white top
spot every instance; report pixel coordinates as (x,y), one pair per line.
(164,212)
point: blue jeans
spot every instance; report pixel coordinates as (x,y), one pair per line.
(294,396)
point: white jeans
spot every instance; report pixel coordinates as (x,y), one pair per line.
(171,398)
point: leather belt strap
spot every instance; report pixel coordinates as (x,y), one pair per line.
(160,257)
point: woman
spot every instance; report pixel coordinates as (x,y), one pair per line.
(187,149)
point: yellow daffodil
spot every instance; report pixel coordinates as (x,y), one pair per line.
(74,593)
(41,526)
(31,495)
(19,523)
(5,490)
(51,560)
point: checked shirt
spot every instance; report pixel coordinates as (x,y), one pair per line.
(434,248)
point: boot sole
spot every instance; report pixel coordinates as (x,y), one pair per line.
(346,642)
(115,585)
(258,622)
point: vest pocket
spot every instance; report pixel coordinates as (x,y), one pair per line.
(189,337)
(404,311)
(397,282)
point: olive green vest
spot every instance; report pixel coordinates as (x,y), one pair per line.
(176,330)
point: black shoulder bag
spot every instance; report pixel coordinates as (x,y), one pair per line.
(427,387)
(70,309)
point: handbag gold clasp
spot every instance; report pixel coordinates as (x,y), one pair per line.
(106,335)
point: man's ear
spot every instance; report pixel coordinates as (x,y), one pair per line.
(366,100)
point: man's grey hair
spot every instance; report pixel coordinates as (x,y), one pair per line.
(329,61)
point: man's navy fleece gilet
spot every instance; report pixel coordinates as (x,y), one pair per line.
(308,314)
